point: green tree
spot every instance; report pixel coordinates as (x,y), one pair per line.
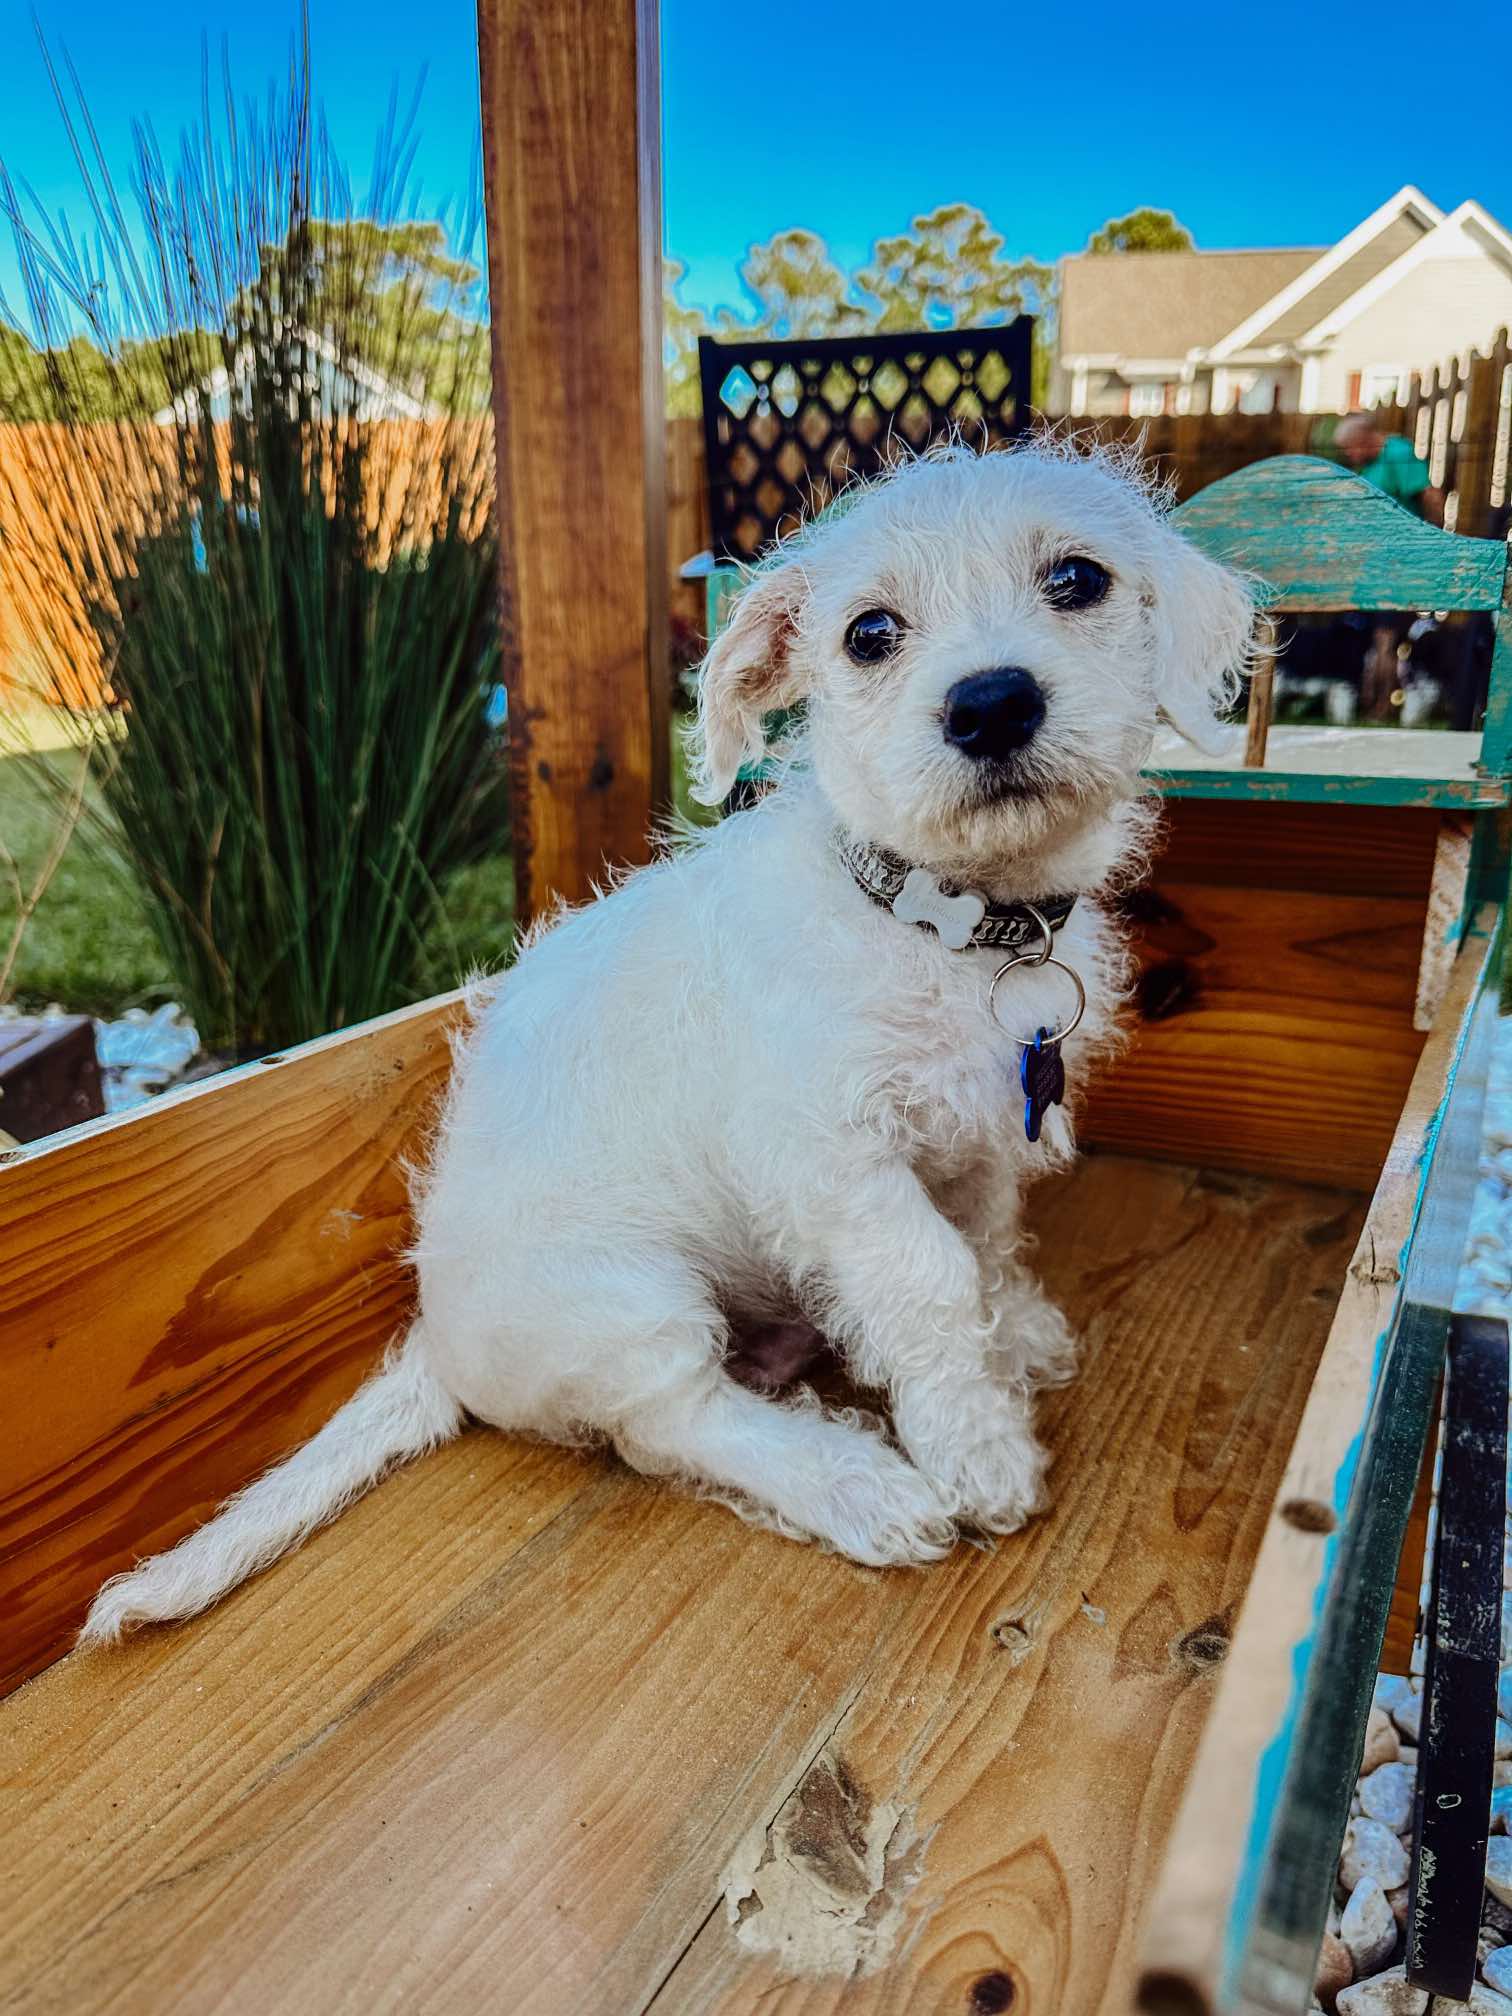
(948,271)
(681,328)
(1142,230)
(801,290)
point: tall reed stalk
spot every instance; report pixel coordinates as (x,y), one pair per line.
(245,494)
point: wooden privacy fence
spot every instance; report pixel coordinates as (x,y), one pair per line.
(74,500)
(1459,418)
(1458,415)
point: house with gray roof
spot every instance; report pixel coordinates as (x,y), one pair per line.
(1309,329)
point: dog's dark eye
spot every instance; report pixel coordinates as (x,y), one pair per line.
(1076,583)
(874,635)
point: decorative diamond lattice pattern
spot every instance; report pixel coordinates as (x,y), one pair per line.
(788,425)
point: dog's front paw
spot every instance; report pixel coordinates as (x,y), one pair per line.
(990,1471)
(885,1514)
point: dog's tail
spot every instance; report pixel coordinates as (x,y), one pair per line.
(402,1411)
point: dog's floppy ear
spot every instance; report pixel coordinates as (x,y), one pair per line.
(748,674)
(1204,627)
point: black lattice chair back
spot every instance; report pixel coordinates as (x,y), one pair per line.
(788,425)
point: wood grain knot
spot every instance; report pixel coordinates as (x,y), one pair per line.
(1165,990)
(1308,1515)
(1169,1995)
(1012,1636)
(1205,1645)
(601,776)
(1146,906)
(992,1993)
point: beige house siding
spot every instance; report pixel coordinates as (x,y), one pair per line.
(1437,309)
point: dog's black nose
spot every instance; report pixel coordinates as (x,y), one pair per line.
(993,713)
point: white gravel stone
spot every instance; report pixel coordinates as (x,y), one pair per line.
(1382,1744)
(1390,1690)
(1483,2002)
(1504,1694)
(1408,1716)
(1368,1927)
(1371,1849)
(1335,1969)
(1386,1795)
(1497,1969)
(1503,1737)
(1385,1994)
(1506,1632)
(1498,1866)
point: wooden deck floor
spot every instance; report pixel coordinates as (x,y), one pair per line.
(523,1733)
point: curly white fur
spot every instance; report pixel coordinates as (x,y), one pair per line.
(735,1089)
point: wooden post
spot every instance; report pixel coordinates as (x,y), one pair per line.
(1262,689)
(571,125)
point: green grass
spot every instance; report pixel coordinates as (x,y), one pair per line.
(90,945)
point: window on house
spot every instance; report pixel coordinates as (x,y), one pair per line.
(1381,384)
(1147,399)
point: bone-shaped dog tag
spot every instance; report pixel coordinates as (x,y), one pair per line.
(921,900)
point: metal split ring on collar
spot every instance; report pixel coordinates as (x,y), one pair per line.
(1042,956)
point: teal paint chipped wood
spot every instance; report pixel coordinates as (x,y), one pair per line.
(1303,787)
(1319,537)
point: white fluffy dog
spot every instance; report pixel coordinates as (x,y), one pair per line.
(745,1089)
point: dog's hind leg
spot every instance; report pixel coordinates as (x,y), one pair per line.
(792,1466)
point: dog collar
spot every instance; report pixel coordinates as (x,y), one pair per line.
(961,918)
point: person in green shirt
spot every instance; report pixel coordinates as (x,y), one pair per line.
(1390,462)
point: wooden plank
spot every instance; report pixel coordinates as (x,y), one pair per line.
(186,1292)
(1320,537)
(1203,1909)
(571,121)
(1407,1595)
(523,1719)
(1273,1009)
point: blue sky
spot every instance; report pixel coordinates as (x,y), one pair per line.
(1282,127)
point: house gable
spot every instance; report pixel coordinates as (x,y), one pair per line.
(1399,223)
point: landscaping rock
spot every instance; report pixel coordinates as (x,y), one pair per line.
(1397,1899)
(1390,1691)
(1368,1927)
(1503,1737)
(1386,1795)
(1385,1994)
(1408,1715)
(1497,1917)
(1371,1849)
(1485,2002)
(1382,1743)
(1496,1967)
(1335,1969)
(1499,1868)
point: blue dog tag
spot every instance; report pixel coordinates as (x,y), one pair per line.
(1043,1077)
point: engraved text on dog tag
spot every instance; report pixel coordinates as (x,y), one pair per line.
(921,900)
